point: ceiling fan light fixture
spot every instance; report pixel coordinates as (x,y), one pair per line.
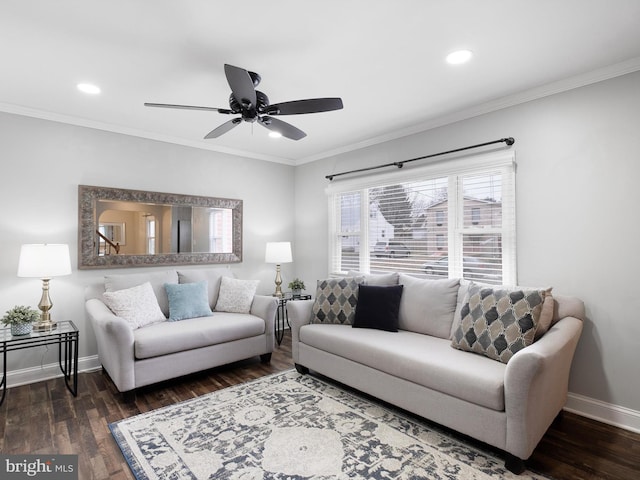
(88,88)
(459,57)
(274,134)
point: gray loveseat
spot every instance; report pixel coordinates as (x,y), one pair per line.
(507,405)
(135,357)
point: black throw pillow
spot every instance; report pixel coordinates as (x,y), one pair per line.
(378,307)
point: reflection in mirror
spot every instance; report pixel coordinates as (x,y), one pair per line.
(130,228)
(110,236)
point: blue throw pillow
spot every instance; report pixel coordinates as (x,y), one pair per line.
(187,300)
(378,307)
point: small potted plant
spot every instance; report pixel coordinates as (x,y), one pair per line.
(296,286)
(21,319)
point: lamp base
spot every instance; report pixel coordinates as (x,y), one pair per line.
(47,326)
(278,281)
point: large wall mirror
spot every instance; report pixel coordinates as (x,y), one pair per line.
(133,228)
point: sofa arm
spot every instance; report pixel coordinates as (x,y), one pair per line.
(536,385)
(115,344)
(265,307)
(299,314)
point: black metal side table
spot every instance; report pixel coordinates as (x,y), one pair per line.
(281,313)
(66,336)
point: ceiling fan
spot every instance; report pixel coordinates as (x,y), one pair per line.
(253,106)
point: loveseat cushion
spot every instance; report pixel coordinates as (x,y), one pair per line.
(427,305)
(171,337)
(188,300)
(236,295)
(418,358)
(157,280)
(137,305)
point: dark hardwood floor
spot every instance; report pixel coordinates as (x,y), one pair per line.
(45,418)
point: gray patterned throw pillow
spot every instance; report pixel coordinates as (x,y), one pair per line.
(498,322)
(336,300)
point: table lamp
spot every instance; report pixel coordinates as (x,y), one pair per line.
(44,261)
(278,253)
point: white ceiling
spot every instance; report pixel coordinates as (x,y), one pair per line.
(384,58)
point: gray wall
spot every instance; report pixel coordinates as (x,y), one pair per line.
(577,221)
(42,164)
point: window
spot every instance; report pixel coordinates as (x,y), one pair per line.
(450,220)
(475,215)
(220,239)
(151,234)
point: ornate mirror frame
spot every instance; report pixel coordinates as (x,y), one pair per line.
(88,196)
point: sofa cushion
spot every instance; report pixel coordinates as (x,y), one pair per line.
(336,300)
(425,360)
(171,337)
(378,307)
(427,306)
(498,322)
(188,300)
(157,280)
(236,296)
(213,277)
(137,305)
(380,279)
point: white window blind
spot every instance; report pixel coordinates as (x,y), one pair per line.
(450,220)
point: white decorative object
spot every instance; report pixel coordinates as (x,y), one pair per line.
(236,296)
(137,305)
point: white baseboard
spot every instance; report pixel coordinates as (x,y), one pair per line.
(608,413)
(49,371)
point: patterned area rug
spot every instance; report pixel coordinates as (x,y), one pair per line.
(289,426)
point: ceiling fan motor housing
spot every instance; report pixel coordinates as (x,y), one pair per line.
(249,112)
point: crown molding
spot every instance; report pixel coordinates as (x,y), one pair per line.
(566,84)
(109,127)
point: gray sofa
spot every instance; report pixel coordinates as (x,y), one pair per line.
(135,357)
(509,406)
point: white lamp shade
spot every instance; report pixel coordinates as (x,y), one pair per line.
(44,260)
(278,252)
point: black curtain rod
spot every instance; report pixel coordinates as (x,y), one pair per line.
(509,141)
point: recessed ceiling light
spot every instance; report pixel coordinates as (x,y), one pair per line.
(459,56)
(273,134)
(89,88)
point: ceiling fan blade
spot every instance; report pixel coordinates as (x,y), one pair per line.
(224,128)
(311,105)
(188,107)
(284,128)
(241,84)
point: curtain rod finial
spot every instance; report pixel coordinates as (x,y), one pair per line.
(509,141)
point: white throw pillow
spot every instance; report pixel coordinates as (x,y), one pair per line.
(236,295)
(137,305)
(157,280)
